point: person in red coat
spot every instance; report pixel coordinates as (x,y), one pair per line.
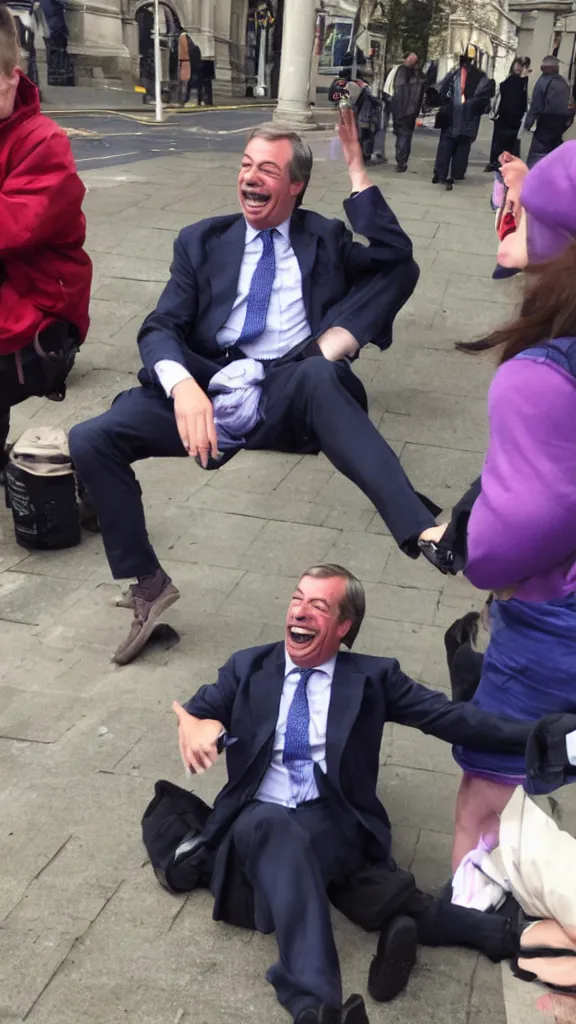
(45,275)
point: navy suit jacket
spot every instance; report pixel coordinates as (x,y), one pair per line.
(366,693)
(203,285)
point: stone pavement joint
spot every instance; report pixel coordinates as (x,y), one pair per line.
(86,933)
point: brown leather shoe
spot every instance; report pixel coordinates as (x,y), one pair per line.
(146,615)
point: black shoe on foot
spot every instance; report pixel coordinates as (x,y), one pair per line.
(395,957)
(354,1011)
(436,179)
(462,631)
(449,184)
(400,168)
(440,559)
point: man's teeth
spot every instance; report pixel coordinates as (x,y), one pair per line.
(256,198)
(300,635)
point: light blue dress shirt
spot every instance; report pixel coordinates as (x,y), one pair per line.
(277,786)
(286,322)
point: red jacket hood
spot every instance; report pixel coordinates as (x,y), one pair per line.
(45,274)
(27,103)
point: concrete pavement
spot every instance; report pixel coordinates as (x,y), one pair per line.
(86,934)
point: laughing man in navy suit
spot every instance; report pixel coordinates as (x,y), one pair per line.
(250,346)
(300,811)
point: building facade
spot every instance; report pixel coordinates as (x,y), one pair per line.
(547,28)
(488,25)
(110,42)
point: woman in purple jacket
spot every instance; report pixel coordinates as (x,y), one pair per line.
(521,534)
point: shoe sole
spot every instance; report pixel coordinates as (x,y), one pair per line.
(392,966)
(124,656)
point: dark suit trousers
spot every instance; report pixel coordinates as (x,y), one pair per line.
(452,157)
(290,857)
(404,131)
(313,402)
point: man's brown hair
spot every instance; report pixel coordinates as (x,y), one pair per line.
(353,605)
(9,46)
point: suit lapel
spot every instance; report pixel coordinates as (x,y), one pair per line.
(265,692)
(345,701)
(305,245)
(224,258)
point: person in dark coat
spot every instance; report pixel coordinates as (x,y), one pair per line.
(551,111)
(189,63)
(300,811)
(465,94)
(409,83)
(511,107)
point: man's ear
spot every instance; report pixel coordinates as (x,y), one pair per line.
(296,188)
(344,628)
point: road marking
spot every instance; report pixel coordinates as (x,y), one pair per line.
(83,132)
(220,131)
(111,156)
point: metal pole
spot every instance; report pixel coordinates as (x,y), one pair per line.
(157,63)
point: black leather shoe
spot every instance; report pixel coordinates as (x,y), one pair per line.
(436,179)
(441,560)
(394,960)
(449,184)
(354,1011)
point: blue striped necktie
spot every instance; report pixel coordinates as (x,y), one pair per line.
(297,753)
(260,291)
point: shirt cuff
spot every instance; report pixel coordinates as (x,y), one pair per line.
(170,373)
(571,747)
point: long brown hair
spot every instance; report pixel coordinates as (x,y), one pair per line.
(548,309)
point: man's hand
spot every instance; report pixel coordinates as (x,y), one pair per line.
(195,420)
(337,343)
(352,150)
(197,738)
(434,534)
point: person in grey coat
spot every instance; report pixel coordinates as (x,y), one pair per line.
(551,110)
(465,95)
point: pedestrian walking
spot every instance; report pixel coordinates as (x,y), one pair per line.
(511,105)
(207,76)
(407,90)
(551,111)
(465,95)
(189,61)
(367,109)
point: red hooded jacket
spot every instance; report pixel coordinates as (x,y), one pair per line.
(45,275)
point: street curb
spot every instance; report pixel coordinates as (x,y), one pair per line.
(131,113)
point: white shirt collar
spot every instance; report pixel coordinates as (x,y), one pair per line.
(327,668)
(252,233)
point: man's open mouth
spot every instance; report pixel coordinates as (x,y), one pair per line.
(254,199)
(300,635)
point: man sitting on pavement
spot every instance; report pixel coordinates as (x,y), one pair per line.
(303,727)
(249,346)
(45,275)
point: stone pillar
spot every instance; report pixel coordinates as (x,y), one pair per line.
(297,44)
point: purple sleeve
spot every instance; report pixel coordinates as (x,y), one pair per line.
(524,522)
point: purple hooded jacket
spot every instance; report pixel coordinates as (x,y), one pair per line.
(522,530)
